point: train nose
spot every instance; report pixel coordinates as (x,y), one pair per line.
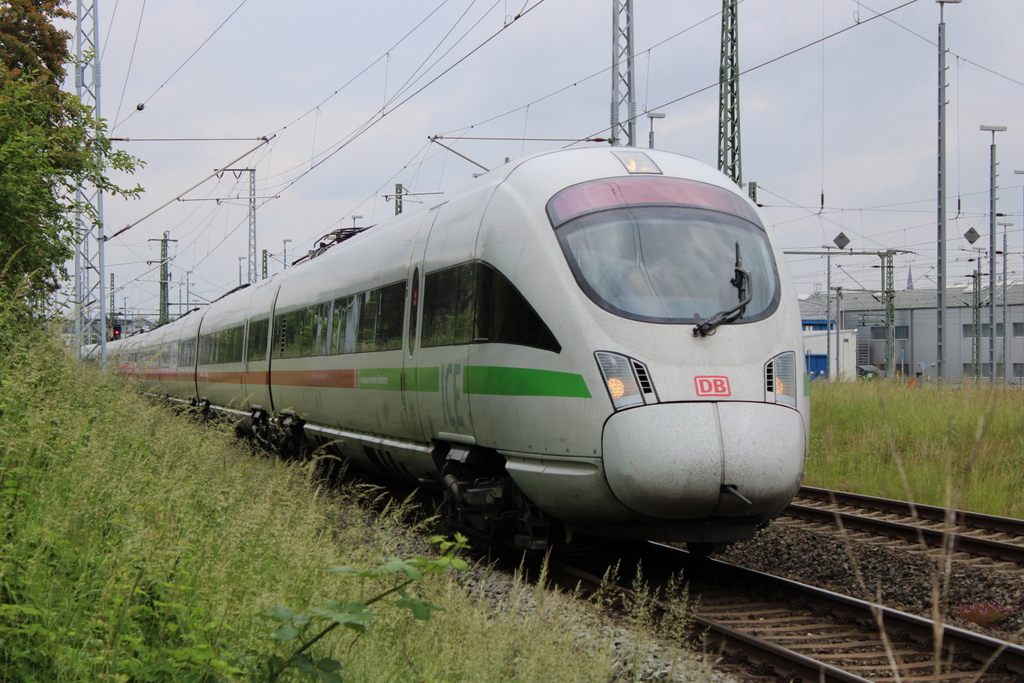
(689,460)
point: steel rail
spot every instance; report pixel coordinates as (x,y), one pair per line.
(931,513)
(992,653)
(772,658)
(913,533)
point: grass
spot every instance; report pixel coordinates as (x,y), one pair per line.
(947,445)
(141,546)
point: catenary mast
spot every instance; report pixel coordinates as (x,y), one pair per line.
(623,84)
(729,96)
(90,299)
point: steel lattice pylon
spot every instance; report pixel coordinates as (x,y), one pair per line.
(729,96)
(90,300)
(251,270)
(623,100)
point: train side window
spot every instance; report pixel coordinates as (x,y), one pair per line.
(344,324)
(207,349)
(257,342)
(389,318)
(298,333)
(370,303)
(449,306)
(322,346)
(186,353)
(504,316)
(230,343)
(414,307)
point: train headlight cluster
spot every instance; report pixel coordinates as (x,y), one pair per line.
(620,379)
(780,379)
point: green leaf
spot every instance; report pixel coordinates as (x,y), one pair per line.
(328,665)
(394,565)
(421,610)
(344,617)
(285,632)
(459,564)
(282,613)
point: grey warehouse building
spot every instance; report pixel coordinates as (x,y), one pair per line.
(915,348)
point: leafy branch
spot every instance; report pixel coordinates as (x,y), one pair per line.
(356,616)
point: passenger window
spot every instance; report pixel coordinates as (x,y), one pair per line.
(448,312)
(257,344)
(186,354)
(345,325)
(370,302)
(389,320)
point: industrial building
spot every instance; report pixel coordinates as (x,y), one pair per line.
(970,350)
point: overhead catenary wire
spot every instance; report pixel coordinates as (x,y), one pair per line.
(179,196)
(131,58)
(182,66)
(379,116)
(764,64)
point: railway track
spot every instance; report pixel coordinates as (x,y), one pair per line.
(768,628)
(927,527)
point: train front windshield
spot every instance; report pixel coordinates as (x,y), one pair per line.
(640,248)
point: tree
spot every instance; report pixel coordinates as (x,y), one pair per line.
(50,145)
(30,43)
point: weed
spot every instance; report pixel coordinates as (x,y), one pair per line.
(985,614)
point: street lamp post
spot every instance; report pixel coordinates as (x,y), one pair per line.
(992,248)
(653,115)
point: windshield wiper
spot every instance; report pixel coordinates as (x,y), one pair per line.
(744,285)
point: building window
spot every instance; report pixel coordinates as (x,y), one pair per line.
(986,328)
(878,334)
(1018,329)
(902,331)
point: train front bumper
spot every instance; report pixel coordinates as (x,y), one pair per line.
(706,460)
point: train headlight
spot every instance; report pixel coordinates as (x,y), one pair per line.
(780,379)
(619,379)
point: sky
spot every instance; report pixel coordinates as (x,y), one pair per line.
(840,134)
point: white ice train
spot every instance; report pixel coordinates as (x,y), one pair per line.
(602,341)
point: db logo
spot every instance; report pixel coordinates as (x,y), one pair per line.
(712,386)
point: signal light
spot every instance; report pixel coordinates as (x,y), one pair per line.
(115,332)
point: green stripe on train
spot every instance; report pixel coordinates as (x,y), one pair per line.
(502,381)
(480,379)
(426,379)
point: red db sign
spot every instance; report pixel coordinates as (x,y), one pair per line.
(712,386)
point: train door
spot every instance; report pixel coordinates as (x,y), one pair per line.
(259,324)
(413,380)
(445,308)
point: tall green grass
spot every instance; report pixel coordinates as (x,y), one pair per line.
(136,545)
(934,444)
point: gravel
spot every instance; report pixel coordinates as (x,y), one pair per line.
(636,654)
